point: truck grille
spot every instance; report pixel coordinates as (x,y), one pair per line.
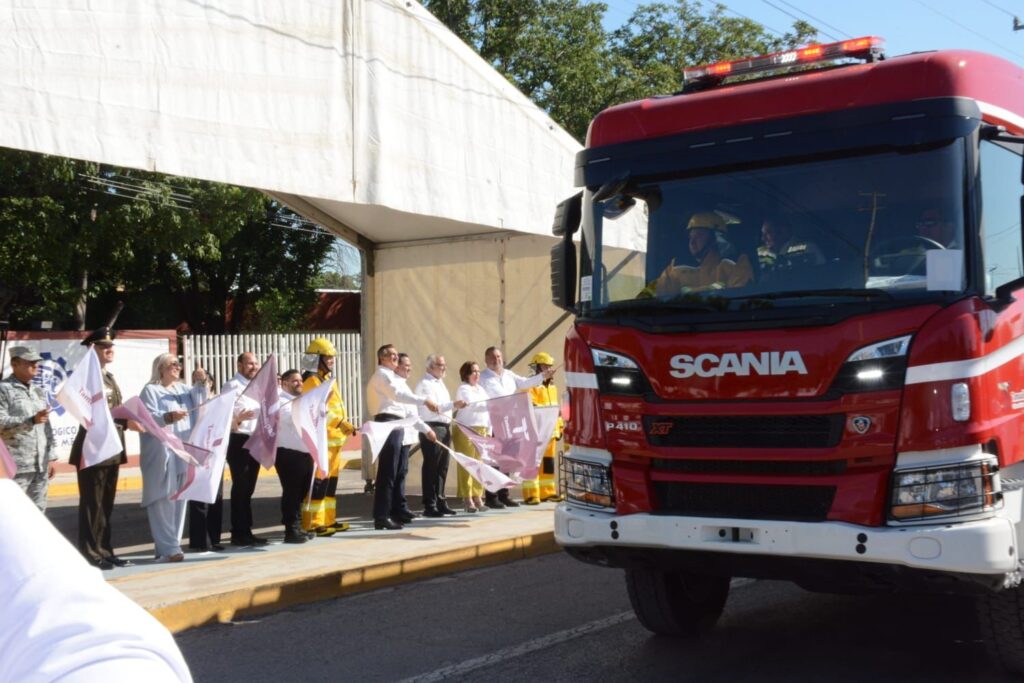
(795,468)
(744,501)
(745,431)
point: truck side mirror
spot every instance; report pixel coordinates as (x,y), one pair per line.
(563,254)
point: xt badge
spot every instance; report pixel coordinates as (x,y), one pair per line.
(861,424)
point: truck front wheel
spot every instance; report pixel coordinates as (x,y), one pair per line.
(676,603)
(1001,622)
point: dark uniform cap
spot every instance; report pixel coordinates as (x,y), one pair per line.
(101,335)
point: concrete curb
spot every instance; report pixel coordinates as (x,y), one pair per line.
(270,597)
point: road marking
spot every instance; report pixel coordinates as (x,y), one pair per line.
(529,646)
(534,645)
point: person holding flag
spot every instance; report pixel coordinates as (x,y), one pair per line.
(319,510)
(543,487)
(473,415)
(25,425)
(498,381)
(170,402)
(244,469)
(97,484)
(293,464)
(386,393)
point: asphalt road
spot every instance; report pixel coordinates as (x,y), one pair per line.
(552,618)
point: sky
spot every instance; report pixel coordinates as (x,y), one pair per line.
(906,25)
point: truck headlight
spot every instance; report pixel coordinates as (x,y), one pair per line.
(618,374)
(587,483)
(965,488)
(881,366)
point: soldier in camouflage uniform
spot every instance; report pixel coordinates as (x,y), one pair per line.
(25,425)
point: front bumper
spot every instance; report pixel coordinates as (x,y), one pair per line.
(980,547)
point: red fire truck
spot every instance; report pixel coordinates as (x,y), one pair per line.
(797,351)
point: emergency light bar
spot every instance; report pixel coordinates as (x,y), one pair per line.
(868,48)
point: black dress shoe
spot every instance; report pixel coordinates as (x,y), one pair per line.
(445,510)
(404,517)
(118,562)
(293,537)
(198,548)
(256,540)
(216,546)
(506,500)
(492,502)
(102,563)
(385,524)
(433,513)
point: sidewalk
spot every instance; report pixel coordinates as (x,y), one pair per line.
(240,582)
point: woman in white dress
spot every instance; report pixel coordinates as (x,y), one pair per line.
(170,402)
(476,417)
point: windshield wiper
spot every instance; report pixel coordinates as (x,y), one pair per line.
(875,294)
(673,305)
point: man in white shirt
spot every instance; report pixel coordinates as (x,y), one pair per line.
(435,458)
(499,381)
(386,393)
(293,463)
(244,468)
(399,504)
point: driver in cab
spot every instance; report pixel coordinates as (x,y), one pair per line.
(713,272)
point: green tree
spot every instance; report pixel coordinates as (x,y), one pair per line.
(78,237)
(559,55)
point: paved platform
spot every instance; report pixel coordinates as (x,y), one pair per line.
(236,583)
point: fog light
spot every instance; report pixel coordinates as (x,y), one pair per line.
(587,483)
(960,399)
(960,489)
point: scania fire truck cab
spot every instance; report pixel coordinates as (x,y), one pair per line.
(847,412)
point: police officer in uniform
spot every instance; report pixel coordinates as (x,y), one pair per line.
(98,484)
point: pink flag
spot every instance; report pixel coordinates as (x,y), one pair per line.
(133,409)
(83,396)
(515,429)
(492,479)
(210,432)
(377,433)
(7,466)
(309,413)
(264,388)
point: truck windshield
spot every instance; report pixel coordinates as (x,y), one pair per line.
(878,226)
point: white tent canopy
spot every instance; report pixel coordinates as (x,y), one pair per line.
(368,113)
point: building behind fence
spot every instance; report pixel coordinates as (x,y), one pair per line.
(218,354)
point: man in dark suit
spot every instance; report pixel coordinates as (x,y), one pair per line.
(98,484)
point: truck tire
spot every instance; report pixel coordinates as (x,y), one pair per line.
(1001,623)
(676,604)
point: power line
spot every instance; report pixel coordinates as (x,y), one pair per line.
(1004,11)
(793,16)
(744,16)
(814,18)
(968,28)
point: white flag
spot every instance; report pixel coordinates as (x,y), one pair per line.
(490,478)
(211,433)
(377,433)
(84,397)
(309,414)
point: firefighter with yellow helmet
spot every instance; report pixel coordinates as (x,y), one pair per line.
(544,487)
(319,510)
(705,232)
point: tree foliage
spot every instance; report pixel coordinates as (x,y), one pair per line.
(79,236)
(558,53)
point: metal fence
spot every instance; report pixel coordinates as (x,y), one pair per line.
(218,353)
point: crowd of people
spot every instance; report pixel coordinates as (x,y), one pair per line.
(308,500)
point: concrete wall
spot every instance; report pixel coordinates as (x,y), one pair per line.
(459,297)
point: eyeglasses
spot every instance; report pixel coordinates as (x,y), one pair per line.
(440,365)
(474,372)
(173,364)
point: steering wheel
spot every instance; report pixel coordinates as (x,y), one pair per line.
(902,245)
(904,242)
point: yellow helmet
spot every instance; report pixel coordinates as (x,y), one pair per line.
(322,347)
(542,358)
(711,220)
